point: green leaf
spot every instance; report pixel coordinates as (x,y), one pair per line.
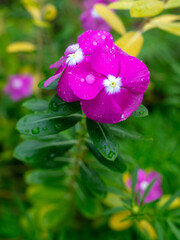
(45,177)
(36,105)
(159,231)
(59,107)
(118,165)
(113,210)
(43,124)
(168,203)
(141,112)
(52,86)
(120,132)
(42,153)
(91,180)
(103,139)
(89,207)
(174,229)
(147,190)
(134,181)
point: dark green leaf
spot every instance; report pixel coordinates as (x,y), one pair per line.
(118,165)
(41,153)
(43,124)
(52,86)
(45,177)
(174,229)
(59,107)
(119,132)
(89,207)
(147,190)
(113,210)
(134,180)
(141,112)
(91,180)
(103,139)
(36,105)
(159,231)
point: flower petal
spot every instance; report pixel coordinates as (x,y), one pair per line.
(85,82)
(71,49)
(89,40)
(128,102)
(58,63)
(103,108)
(63,88)
(105,60)
(134,74)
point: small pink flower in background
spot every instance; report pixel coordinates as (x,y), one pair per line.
(108,83)
(90,19)
(19,87)
(143,181)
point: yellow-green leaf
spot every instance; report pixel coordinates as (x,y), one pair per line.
(111,18)
(34,11)
(121,5)
(166,18)
(146,8)
(173,28)
(131,43)
(20,47)
(172,4)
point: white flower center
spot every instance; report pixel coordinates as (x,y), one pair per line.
(112,84)
(16,84)
(144,185)
(75,58)
(95,14)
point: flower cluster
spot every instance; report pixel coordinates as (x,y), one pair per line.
(19,87)
(108,83)
(143,181)
(91,19)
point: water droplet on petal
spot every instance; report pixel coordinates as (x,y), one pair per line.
(90,79)
(82,79)
(94,43)
(103,37)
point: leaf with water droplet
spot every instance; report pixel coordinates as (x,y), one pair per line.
(118,165)
(140,112)
(59,107)
(43,153)
(103,139)
(45,123)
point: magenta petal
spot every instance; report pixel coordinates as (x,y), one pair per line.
(63,88)
(134,74)
(129,102)
(103,108)
(58,63)
(89,40)
(105,61)
(51,79)
(84,82)
(71,49)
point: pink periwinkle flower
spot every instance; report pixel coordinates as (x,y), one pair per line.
(108,83)
(143,181)
(90,19)
(19,86)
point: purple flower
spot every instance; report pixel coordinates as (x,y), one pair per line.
(19,87)
(74,55)
(91,19)
(108,83)
(143,181)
